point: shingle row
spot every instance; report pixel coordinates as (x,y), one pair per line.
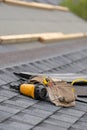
(67,63)
(21,112)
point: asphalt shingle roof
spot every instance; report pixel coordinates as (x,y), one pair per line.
(29,20)
(21,112)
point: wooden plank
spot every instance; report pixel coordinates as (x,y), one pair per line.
(36,5)
(18,38)
(23,38)
(61,36)
(50,38)
(61,8)
(42,37)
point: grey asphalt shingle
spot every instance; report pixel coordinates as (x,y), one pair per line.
(2,82)
(37,112)
(4,116)
(6,108)
(3,98)
(48,126)
(56,122)
(7,78)
(27,118)
(7,93)
(64,117)
(72,112)
(13,124)
(80,125)
(19,102)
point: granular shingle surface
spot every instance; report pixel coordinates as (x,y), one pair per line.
(18,111)
(31,20)
(24,113)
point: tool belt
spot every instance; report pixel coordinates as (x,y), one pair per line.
(59,92)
